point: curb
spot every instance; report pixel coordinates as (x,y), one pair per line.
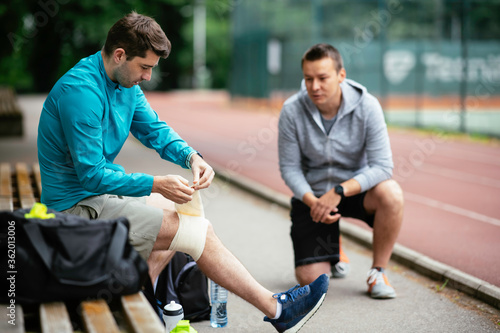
(422,264)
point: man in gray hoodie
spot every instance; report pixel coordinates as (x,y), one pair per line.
(335,156)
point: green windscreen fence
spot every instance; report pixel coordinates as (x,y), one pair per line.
(430,63)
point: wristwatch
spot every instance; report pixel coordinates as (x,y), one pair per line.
(339,189)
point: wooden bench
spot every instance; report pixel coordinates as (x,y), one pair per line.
(20,187)
(11,117)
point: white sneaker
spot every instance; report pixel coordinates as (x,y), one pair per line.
(340,270)
(378,285)
(342,267)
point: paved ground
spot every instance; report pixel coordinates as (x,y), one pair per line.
(256,231)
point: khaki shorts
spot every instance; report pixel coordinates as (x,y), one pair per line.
(145,221)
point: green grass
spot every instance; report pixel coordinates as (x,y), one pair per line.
(441,288)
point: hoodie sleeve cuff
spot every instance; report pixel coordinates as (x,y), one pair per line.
(363,182)
(300,192)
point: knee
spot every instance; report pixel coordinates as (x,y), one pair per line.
(390,194)
(210,229)
(306,274)
(191,236)
(160,257)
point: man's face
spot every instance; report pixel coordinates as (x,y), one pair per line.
(132,72)
(323,82)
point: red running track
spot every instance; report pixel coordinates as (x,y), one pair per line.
(451,186)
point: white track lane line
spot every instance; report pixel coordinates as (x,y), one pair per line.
(451,208)
(459,175)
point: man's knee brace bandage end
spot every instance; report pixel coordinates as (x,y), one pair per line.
(192,233)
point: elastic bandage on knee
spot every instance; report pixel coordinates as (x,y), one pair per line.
(192,233)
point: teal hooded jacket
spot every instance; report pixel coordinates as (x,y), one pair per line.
(84,123)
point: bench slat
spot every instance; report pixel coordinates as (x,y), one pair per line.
(5,180)
(23,180)
(27,202)
(26,196)
(7,327)
(54,318)
(6,204)
(98,317)
(6,198)
(140,315)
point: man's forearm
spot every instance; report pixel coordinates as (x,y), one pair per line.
(309,199)
(351,187)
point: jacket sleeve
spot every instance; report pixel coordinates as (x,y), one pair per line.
(81,123)
(156,134)
(290,156)
(378,149)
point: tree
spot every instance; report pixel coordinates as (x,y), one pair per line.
(47,37)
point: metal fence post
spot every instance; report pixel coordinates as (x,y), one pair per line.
(464,31)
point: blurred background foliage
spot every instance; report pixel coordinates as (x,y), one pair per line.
(42,39)
(367,33)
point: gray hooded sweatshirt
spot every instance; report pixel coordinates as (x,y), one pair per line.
(357,145)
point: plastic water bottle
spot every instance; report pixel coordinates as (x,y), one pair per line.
(172,314)
(218,316)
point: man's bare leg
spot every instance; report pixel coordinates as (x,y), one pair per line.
(386,200)
(306,274)
(158,259)
(221,266)
(217,262)
(157,262)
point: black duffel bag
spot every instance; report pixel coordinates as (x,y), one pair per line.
(62,257)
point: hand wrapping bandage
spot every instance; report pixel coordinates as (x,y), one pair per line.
(192,233)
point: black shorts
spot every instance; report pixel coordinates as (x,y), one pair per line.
(319,242)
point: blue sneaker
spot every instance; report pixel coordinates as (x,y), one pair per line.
(299,304)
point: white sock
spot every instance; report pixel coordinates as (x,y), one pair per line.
(278,310)
(156,283)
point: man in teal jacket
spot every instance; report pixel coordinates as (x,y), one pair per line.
(85,121)
(335,156)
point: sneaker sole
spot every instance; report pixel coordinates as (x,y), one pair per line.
(338,275)
(304,320)
(383,296)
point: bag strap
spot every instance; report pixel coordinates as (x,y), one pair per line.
(117,245)
(180,275)
(37,240)
(171,294)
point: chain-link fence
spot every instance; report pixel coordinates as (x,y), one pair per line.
(431,63)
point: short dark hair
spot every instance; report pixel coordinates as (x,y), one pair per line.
(136,34)
(320,51)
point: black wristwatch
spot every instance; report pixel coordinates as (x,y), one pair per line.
(339,189)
